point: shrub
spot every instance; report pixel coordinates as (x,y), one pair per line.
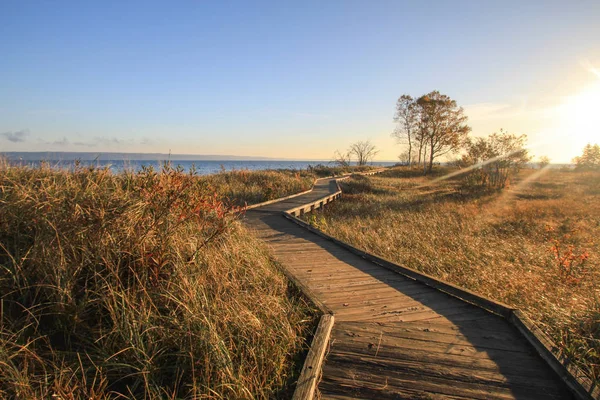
(492,161)
(357,184)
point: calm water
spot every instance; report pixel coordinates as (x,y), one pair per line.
(202,167)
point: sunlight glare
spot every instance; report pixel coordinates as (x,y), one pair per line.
(580,115)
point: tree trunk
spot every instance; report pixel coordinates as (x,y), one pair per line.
(431,158)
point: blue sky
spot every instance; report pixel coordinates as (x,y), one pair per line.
(287,79)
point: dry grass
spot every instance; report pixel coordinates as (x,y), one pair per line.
(140,286)
(251,187)
(322,171)
(534,245)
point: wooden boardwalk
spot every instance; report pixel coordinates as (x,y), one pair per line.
(395,338)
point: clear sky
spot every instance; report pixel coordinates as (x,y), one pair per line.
(291,79)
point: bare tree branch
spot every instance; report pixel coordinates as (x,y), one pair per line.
(364,151)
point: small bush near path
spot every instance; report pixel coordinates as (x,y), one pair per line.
(142,285)
(533,245)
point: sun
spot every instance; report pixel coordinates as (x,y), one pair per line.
(580,115)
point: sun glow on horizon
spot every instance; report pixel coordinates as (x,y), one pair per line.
(579,115)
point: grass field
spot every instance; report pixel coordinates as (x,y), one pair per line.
(534,245)
(143,285)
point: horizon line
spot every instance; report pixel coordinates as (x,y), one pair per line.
(211,157)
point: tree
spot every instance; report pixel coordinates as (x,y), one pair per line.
(342,159)
(442,124)
(543,162)
(405,160)
(590,159)
(406,117)
(364,151)
(495,159)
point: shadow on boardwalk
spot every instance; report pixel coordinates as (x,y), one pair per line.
(397,338)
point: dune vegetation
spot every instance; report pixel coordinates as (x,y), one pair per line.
(143,285)
(533,245)
(243,187)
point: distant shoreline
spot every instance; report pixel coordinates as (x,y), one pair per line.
(200,167)
(111,156)
(116,156)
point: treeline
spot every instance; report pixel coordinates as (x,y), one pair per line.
(589,159)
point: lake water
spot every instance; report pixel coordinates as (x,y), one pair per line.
(202,167)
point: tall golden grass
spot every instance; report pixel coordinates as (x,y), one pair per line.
(142,285)
(533,245)
(250,187)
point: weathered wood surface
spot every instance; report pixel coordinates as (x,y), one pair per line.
(396,338)
(311,371)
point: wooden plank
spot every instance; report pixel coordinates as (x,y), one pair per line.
(529,384)
(400,309)
(250,207)
(355,273)
(449,314)
(444,354)
(389,294)
(424,339)
(449,382)
(521,365)
(490,324)
(339,388)
(307,291)
(311,371)
(361,283)
(344,278)
(406,386)
(364,296)
(465,329)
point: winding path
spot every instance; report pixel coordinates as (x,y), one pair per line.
(397,338)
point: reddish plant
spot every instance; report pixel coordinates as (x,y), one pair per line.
(570,261)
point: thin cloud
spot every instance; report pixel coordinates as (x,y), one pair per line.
(481,111)
(503,111)
(16,137)
(95,142)
(84,144)
(62,142)
(111,141)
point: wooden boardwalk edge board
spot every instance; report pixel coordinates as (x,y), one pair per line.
(581,386)
(311,371)
(574,378)
(266,203)
(306,291)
